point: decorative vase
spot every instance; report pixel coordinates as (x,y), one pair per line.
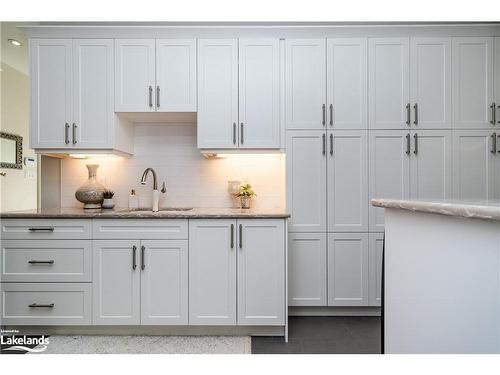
(91,192)
(245,202)
(108,203)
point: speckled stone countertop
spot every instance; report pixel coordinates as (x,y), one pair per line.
(480,209)
(118,213)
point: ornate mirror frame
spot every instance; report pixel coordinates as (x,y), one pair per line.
(19,151)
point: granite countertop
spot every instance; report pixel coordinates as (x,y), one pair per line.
(117,213)
(480,209)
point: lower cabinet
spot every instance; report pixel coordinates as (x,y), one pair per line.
(140,282)
(237,272)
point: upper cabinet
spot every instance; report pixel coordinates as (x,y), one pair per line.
(473,103)
(497,85)
(155,75)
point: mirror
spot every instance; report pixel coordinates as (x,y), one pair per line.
(11,151)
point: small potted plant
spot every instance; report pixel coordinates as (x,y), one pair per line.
(108,199)
(246,194)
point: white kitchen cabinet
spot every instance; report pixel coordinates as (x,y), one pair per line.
(307,269)
(473,59)
(347,90)
(431,164)
(217,93)
(497,82)
(348,269)
(375,258)
(164,282)
(389,170)
(261,272)
(389,74)
(430,83)
(135,75)
(175,75)
(51,92)
(347,185)
(259,89)
(474,164)
(116,283)
(212,272)
(305,83)
(306,180)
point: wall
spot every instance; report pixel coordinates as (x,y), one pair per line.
(16,191)
(191,179)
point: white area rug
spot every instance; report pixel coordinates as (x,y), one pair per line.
(149,345)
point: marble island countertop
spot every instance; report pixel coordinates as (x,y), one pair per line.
(173,213)
(479,209)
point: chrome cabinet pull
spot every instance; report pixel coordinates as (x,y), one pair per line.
(234,133)
(408,144)
(408,114)
(331,144)
(331,114)
(324,144)
(498,107)
(50,305)
(134,256)
(498,149)
(415,108)
(74,134)
(323,121)
(157,96)
(494,143)
(143,263)
(415,137)
(41,262)
(493,110)
(66,133)
(241,236)
(41,229)
(232,236)
(150,97)
(241,133)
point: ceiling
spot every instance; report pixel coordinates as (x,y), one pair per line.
(14,56)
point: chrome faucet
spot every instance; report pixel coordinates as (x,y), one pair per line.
(156,194)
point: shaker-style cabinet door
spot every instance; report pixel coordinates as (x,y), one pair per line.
(347,90)
(217,93)
(305,84)
(93,99)
(135,75)
(175,89)
(212,271)
(261,272)
(430,81)
(389,75)
(497,83)
(473,59)
(347,181)
(306,180)
(51,93)
(116,283)
(389,170)
(375,257)
(164,282)
(259,89)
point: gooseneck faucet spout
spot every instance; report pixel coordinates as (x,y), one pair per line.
(145,176)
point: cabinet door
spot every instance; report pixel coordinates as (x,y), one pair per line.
(261,272)
(134,75)
(175,75)
(430,165)
(473,164)
(431,82)
(212,272)
(305,84)
(376,252)
(164,282)
(497,80)
(116,284)
(347,83)
(92,123)
(348,269)
(306,180)
(307,269)
(217,93)
(472,82)
(259,93)
(389,83)
(51,92)
(389,170)
(347,184)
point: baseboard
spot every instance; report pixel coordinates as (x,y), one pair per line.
(332,311)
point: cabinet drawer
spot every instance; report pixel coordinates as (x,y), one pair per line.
(45,304)
(46,261)
(44,229)
(144,229)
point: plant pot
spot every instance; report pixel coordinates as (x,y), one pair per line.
(245,202)
(91,192)
(108,203)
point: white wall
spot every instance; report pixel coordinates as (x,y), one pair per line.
(191,179)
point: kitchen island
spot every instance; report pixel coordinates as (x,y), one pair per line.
(442,276)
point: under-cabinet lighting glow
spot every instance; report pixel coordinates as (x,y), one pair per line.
(15,42)
(88,156)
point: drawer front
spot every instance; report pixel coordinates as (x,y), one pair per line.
(46,229)
(46,261)
(45,304)
(144,229)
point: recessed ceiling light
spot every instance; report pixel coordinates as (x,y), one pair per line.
(15,42)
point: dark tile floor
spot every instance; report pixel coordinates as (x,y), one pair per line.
(324,335)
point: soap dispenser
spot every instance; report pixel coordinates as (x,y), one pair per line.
(133,200)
